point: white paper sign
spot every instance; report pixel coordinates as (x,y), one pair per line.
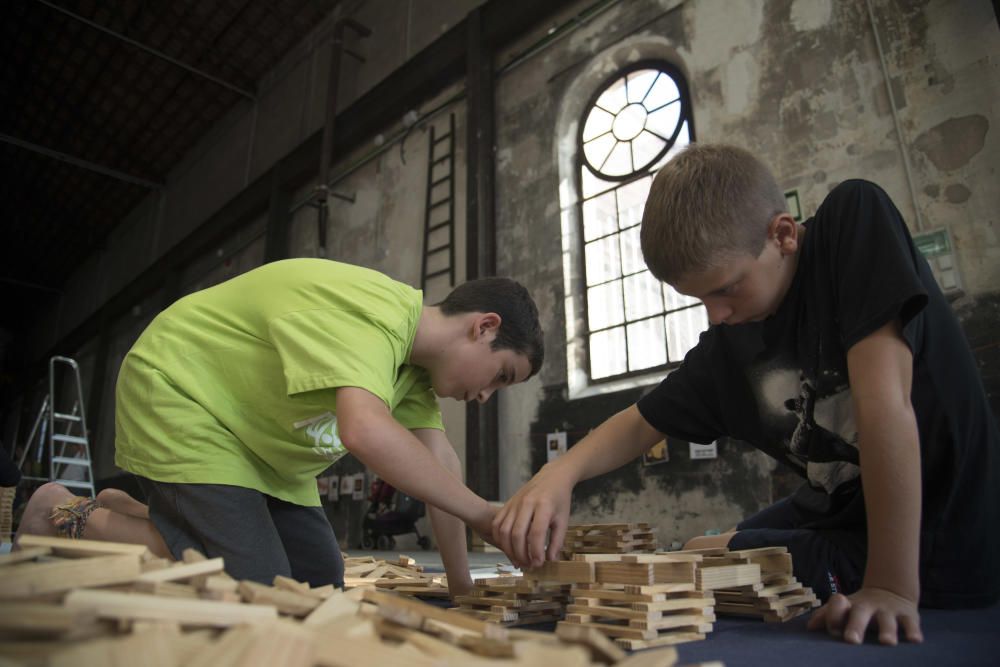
(555,445)
(333,493)
(708,451)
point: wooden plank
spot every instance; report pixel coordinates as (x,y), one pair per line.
(669,639)
(35,619)
(395,608)
(660,657)
(601,648)
(32,579)
(673,604)
(287,602)
(563,571)
(68,548)
(183,571)
(22,555)
(132,606)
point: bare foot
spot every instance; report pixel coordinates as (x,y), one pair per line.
(35,520)
(117,500)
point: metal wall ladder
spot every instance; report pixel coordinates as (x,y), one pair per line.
(439,220)
(53,437)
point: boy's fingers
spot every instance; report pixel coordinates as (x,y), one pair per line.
(519,535)
(888,631)
(911,629)
(857,622)
(557,536)
(818,619)
(536,538)
(837,609)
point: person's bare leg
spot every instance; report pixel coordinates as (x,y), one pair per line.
(117,500)
(102,524)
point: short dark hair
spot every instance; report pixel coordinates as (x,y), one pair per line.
(519,330)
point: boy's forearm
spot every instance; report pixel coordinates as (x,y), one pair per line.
(449,530)
(622,438)
(890,474)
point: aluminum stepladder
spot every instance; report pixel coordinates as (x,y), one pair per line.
(69,465)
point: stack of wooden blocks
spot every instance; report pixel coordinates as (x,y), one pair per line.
(638,600)
(608,538)
(80,603)
(773,593)
(513,601)
(403,576)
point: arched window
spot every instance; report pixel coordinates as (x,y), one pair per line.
(634,123)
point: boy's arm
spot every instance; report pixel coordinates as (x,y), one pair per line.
(368,431)
(880,367)
(449,531)
(542,505)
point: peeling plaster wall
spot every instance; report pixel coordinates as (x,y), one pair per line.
(802,83)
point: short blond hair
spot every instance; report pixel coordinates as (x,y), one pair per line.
(710,202)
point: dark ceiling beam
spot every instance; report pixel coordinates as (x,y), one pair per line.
(80,162)
(150,50)
(422,77)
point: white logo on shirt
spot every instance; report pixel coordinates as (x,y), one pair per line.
(322,430)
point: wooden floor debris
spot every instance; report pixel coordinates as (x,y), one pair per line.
(78,603)
(402,576)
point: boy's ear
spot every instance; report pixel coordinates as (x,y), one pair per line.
(486,324)
(785,232)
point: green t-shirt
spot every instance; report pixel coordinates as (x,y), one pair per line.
(236,384)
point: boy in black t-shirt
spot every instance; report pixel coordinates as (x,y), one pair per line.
(833,350)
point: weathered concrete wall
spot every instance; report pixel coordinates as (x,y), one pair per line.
(800,82)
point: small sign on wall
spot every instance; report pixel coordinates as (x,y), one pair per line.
(555,445)
(658,453)
(333,493)
(346,485)
(358,492)
(709,451)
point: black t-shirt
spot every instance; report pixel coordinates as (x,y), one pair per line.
(782,385)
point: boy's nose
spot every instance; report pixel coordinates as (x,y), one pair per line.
(484,394)
(718,313)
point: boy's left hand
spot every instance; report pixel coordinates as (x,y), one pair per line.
(849,616)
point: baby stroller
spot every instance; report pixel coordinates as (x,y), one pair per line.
(391,512)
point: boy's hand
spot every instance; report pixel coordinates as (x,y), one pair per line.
(541,507)
(483,523)
(849,616)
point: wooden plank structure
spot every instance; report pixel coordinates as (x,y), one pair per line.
(69,602)
(776,596)
(513,601)
(402,576)
(608,538)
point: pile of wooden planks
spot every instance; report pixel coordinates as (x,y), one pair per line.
(513,601)
(403,576)
(81,603)
(608,538)
(637,600)
(776,595)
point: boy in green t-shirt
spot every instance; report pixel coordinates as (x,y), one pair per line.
(236,397)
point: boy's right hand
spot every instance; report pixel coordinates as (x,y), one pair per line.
(539,509)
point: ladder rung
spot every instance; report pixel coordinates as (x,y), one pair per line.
(439,248)
(69,418)
(75,482)
(438,225)
(443,137)
(71,461)
(441,180)
(441,159)
(75,439)
(437,273)
(440,202)
(34,479)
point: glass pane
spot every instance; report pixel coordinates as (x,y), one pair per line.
(607,353)
(683,329)
(646,346)
(631,200)
(645,148)
(602,260)
(604,305)
(620,161)
(642,296)
(675,300)
(631,252)
(613,99)
(592,185)
(663,92)
(598,122)
(599,216)
(664,121)
(640,83)
(683,139)
(597,151)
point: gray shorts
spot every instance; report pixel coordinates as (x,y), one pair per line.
(259,536)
